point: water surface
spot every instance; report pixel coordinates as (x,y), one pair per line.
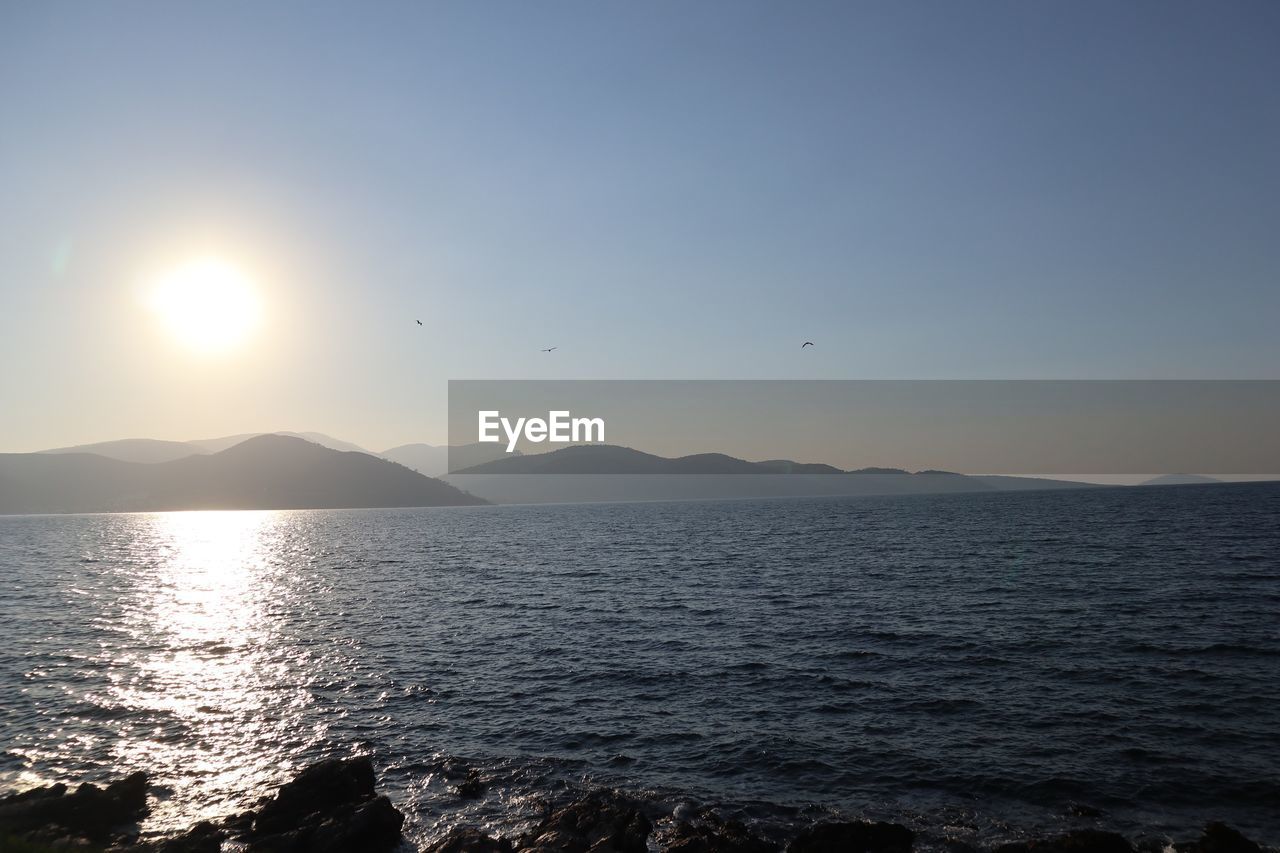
(969,664)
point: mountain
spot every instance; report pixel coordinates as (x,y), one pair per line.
(786,466)
(214,445)
(433,460)
(1179,480)
(426,459)
(146,450)
(612,459)
(590,473)
(263,472)
(154,450)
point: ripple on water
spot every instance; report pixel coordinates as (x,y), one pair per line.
(972,660)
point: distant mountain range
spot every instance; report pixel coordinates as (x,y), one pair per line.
(261,472)
(145,450)
(431,460)
(150,450)
(313,470)
(614,459)
(590,473)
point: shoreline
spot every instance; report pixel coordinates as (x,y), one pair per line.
(334,806)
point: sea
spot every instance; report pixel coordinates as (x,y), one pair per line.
(980,667)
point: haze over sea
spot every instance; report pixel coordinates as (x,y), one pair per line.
(970,663)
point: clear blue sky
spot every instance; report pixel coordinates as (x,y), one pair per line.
(662,190)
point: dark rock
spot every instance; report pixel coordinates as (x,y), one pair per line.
(473,788)
(204,837)
(375,825)
(322,787)
(1077,841)
(685,810)
(331,807)
(470,840)
(711,834)
(1219,838)
(88,812)
(601,822)
(855,837)
(34,794)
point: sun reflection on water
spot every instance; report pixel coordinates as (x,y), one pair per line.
(220,693)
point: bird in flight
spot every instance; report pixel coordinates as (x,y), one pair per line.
(806,344)
(419,322)
(549,349)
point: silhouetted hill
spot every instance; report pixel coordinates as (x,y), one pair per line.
(579,459)
(216,445)
(612,459)
(147,450)
(156,450)
(786,466)
(587,473)
(264,472)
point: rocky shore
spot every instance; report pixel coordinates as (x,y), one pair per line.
(334,807)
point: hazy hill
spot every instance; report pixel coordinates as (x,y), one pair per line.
(264,472)
(215,445)
(156,450)
(588,473)
(1178,480)
(433,460)
(145,450)
(426,459)
(786,466)
(581,459)
(612,459)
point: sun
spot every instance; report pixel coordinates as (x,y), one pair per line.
(208,305)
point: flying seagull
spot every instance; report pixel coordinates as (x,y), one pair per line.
(549,349)
(419,322)
(806,344)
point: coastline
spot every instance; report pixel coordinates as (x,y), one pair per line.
(334,806)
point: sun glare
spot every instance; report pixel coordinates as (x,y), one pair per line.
(208,305)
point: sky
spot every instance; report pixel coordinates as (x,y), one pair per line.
(659,190)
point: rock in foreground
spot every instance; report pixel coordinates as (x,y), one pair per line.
(467,839)
(1079,841)
(204,837)
(1220,838)
(853,837)
(709,833)
(334,807)
(601,822)
(331,807)
(90,813)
